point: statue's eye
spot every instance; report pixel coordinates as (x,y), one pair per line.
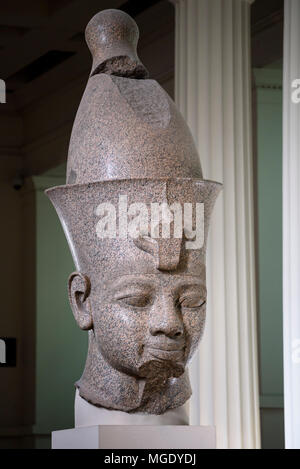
(192,301)
(139,301)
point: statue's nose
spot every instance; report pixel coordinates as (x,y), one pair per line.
(166,320)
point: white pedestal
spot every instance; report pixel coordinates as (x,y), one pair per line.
(135,437)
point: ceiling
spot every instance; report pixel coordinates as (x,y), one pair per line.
(42,42)
(267,32)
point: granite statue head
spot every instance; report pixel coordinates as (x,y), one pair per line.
(139,288)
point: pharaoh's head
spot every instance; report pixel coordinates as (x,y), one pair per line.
(135,211)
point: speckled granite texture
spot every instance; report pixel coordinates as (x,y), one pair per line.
(141,299)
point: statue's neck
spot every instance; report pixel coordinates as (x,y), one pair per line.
(104,386)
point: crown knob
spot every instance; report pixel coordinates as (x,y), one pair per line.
(112,38)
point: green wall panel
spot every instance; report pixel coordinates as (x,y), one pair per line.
(269,213)
(60,345)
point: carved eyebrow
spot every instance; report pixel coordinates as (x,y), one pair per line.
(199,287)
(151,281)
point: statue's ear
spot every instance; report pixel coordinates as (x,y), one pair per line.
(79,287)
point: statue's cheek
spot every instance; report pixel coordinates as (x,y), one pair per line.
(194,325)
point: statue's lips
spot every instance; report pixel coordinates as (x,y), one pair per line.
(166,353)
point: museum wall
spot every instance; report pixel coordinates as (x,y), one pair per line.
(11,319)
(60,345)
(16,320)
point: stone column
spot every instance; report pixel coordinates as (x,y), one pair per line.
(291,223)
(213,91)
